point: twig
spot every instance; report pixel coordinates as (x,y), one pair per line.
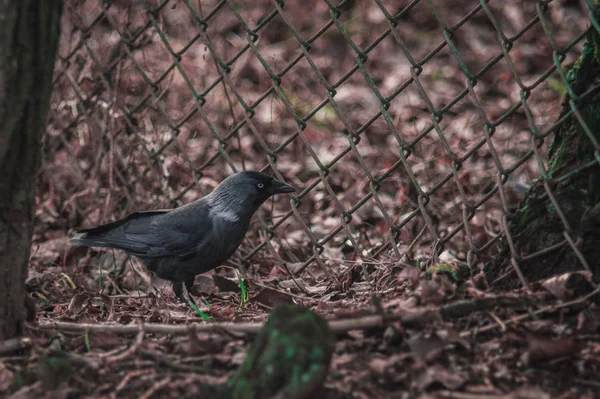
(302,297)
(132,349)
(410,318)
(156,387)
(162,360)
(497,320)
(108,354)
(546,309)
(587,382)
(468,395)
(127,378)
(462,308)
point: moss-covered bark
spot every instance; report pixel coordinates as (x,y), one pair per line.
(537,224)
(29,32)
(289,359)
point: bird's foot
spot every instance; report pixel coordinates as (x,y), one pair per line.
(178,290)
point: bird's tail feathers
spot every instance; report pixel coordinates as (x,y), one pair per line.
(112,235)
(82,239)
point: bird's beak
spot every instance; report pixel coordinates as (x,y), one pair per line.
(278,187)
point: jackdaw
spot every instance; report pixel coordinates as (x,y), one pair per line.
(177,244)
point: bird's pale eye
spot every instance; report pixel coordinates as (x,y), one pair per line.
(260,185)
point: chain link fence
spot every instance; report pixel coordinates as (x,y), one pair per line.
(410,128)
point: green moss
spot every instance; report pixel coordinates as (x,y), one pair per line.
(292,352)
(456,270)
(557,85)
(442,268)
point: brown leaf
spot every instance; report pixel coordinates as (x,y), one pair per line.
(343,360)
(378,365)
(51,251)
(6,378)
(540,326)
(78,302)
(386,365)
(528,393)
(103,340)
(270,297)
(202,344)
(425,347)
(205,285)
(479,281)
(544,348)
(563,286)
(588,321)
(440,375)
(224,284)
(411,275)
(109,303)
(437,289)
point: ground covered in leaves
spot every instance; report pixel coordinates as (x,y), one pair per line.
(438,336)
(412,323)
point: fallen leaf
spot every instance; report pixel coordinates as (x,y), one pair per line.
(425,347)
(78,302)
(440,375)
(563,286)
(528,393)
(109,303)
(7,378)
(588,321)
(436,290)
(386,365)
(51,251)
(545,348)
(205,285)
(224,284)
(103,340)
(411,275)
(270,297)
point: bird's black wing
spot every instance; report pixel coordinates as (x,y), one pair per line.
(153,234)
(141,217)
(113,235)
(179,233)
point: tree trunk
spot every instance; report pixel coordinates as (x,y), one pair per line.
(573,180)
(29,32)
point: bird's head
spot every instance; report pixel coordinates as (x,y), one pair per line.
(248,190)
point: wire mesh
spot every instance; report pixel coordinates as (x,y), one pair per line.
(407,126)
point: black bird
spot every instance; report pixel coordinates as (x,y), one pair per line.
(177,244)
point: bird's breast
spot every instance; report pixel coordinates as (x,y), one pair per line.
(226,238)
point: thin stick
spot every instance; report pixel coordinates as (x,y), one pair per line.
(132,349)
(516,319)
(410,317)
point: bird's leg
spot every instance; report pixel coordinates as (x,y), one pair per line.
(189,284)
(178,290)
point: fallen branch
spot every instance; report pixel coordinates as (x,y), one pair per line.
(516,319)
(410,318)
(131,350)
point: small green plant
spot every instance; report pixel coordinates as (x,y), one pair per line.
(86,340)
(200,313)
(244,292)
